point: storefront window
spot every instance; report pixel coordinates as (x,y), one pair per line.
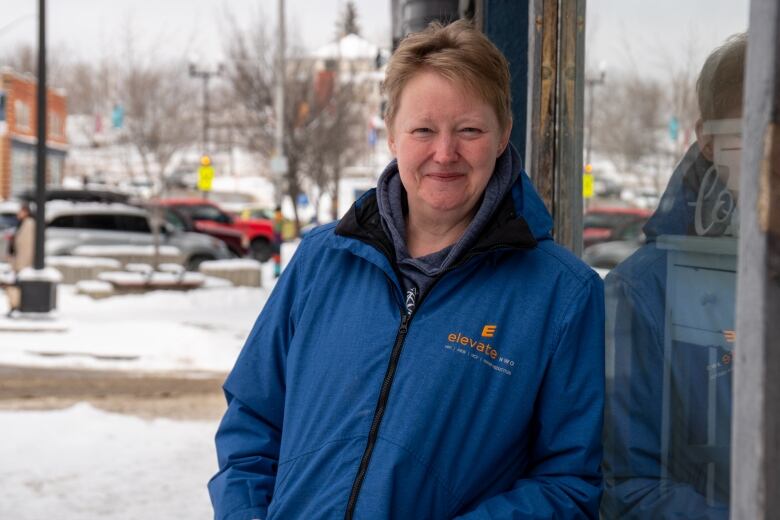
(663,144)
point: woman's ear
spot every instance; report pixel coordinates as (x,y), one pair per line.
(390,138)
(391,143)
(504,142)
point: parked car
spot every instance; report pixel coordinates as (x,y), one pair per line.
(208,217)
(8,223)
(8,211)
(608,223)
(266,213)
(72,225)
(236,241)
(74,195)
(607,255)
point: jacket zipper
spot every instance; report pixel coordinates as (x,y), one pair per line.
(384,393)
(379,412)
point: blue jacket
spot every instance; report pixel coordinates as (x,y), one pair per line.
(485,403)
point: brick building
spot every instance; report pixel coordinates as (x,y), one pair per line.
(18,131)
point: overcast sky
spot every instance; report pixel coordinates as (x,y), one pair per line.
(89,27)
(645,35)
(621,33)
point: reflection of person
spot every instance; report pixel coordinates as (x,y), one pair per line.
(21,252)
(434,354)
(667,423)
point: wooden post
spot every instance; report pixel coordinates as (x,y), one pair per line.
(755,456)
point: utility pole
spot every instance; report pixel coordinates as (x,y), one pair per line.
(279,161)
(206,169)
(205,75)
(590,84)
(40,149)
(39,288)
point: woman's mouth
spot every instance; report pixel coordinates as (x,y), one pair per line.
(445,176)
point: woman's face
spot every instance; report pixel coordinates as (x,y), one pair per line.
(446,140)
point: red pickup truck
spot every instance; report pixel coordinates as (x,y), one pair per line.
(208,217)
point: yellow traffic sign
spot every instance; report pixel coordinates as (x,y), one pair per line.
(205,176)
(587,185)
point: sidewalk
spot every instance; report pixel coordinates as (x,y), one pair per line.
(33,322)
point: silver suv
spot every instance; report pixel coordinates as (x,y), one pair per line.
(72,227)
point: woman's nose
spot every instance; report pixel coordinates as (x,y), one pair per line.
(446,149)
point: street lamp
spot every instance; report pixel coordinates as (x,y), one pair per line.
(39,287)
(205,74)
(590,84)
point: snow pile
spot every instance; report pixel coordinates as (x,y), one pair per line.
(235,263)
(139,268)
(170,268)
(48,274)
(83,463)
(82,261)
(203,329)
(151,278)
(94,288)
(125,251)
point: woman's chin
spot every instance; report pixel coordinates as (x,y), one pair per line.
(446,203)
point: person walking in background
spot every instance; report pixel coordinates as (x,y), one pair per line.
(21,254)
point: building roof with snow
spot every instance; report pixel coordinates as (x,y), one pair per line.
(350,47)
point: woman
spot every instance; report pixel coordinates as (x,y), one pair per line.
(434,354)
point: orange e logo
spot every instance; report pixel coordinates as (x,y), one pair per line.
(488,331)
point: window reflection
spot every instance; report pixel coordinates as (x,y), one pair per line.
(670,330)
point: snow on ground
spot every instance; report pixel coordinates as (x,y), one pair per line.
(81,463)
(198,330)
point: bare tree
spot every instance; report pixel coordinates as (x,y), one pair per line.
(158,124)
(628,118)
(23,59)
(251,74)
(339,138)
(681,69)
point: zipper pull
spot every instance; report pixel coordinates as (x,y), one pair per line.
(405,323)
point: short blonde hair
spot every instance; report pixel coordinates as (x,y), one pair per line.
(720,84)
(459,53)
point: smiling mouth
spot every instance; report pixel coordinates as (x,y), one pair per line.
(445,176)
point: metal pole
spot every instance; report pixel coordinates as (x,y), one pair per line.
(590,84)
(279,99)
(206,75)
(40,167)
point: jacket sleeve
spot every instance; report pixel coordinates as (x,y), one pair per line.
(563,478)
(636,483)
(248,437)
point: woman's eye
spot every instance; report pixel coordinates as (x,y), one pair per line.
(471,130)
(422,131)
